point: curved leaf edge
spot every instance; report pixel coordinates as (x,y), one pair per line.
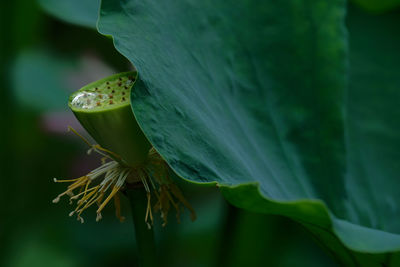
(314,212)
(309,212)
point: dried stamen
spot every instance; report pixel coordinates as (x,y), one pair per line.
(107,180)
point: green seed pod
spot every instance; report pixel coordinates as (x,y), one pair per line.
(103,108)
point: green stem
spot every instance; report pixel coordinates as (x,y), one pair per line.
(144,236)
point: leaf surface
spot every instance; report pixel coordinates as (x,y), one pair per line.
(254,96)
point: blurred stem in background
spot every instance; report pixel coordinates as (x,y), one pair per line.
(254,239)
(228,234)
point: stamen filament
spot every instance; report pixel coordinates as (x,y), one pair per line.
(80,136)
(76,196)
(117,204)
(65,181)
(153,175)
(113,192)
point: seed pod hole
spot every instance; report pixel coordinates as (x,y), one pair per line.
(104,93)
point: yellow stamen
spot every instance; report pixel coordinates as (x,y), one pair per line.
(98,147)
(86,188)
(107,151)
(178,194)
(100,198)
(173,204)
(148,210)
(69,190)
(113,192)
(117,204)
(80,136)
(153,174)
(88,203)
(81,193)
(164,206)
(81,182)
(65,181)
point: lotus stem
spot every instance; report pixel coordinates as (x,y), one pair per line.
(147,254)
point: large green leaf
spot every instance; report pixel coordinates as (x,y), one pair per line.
(251,95)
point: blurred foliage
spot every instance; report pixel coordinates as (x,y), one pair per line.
(378,6)
(79,12)
(30,71)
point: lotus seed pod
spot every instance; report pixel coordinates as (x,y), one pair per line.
(103,108)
